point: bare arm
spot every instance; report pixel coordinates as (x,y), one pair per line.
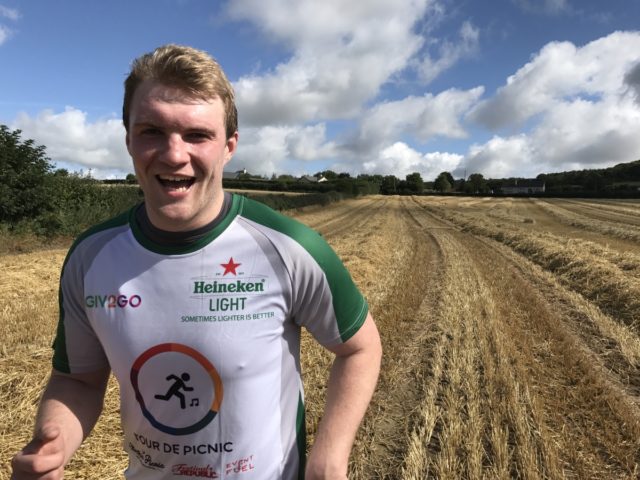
(351,384)
(70,407)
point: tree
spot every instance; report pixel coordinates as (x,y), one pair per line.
(414,182)
(131,178)
(23,171)
(594,181)
(443,182)
(389,185)
(476,183)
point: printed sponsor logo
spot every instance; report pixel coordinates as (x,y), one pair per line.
(145,458)
(228,294)
(242,465)
(230,267)
(182,469)
(178,389)
(183,448)
(201,287)
(228,297)
(112,301)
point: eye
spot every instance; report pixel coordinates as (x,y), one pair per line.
(150,131)
(197,136)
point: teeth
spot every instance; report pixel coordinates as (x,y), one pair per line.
(172,178)
(176,182)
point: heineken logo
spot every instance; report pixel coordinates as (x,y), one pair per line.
(230,267)
(202,287)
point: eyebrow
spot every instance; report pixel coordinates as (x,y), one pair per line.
(163,125)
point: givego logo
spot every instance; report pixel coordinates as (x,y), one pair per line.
(112,301)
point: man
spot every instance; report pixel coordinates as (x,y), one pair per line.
(194,300)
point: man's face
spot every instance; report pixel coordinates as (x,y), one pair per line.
(179,149)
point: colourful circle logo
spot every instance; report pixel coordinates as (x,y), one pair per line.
(178,386)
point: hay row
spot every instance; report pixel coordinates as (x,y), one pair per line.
(574,219)
(476,413)
(602,282)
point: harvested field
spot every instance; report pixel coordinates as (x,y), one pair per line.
(510,328)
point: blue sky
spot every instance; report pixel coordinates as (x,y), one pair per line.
(503,88)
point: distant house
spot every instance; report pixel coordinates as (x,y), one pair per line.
(233,175)
(523,186)
(312,179)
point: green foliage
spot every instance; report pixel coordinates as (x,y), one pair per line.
(290,202)
(36,199)
(343,183)
(476,184)
(23,169)
(443,183)
(619,180)
(389,185)
(415,183)
(79,202)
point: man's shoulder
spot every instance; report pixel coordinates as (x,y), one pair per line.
(263,215)
(291,232)
(90,235)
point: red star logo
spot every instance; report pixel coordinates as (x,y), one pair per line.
(230,267)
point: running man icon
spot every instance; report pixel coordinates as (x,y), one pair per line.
(174,390)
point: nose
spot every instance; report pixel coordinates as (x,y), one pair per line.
(176,150)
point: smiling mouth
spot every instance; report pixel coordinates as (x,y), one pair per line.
(176,183)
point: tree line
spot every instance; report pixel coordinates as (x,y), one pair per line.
(37,197)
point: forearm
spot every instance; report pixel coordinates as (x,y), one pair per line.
(73,405)
(351,385)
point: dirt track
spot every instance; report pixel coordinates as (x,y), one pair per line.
(508,352)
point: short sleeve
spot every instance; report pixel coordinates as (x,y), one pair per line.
(76,346)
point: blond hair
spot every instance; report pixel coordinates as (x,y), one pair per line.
(188,69)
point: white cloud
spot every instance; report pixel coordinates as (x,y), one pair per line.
(573,136)
(10,13)
(632,80)
(450,53)
(400,159)
(372,144)
(559,73)
(70,139)
(576,105)
(310,143)
(590,134)
(342,53)
(282,149)
(5,33)
(499,158)
(421,117)
(549,7)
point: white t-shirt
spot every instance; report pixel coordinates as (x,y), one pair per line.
(205,342)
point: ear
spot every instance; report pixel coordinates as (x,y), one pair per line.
(230,147)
